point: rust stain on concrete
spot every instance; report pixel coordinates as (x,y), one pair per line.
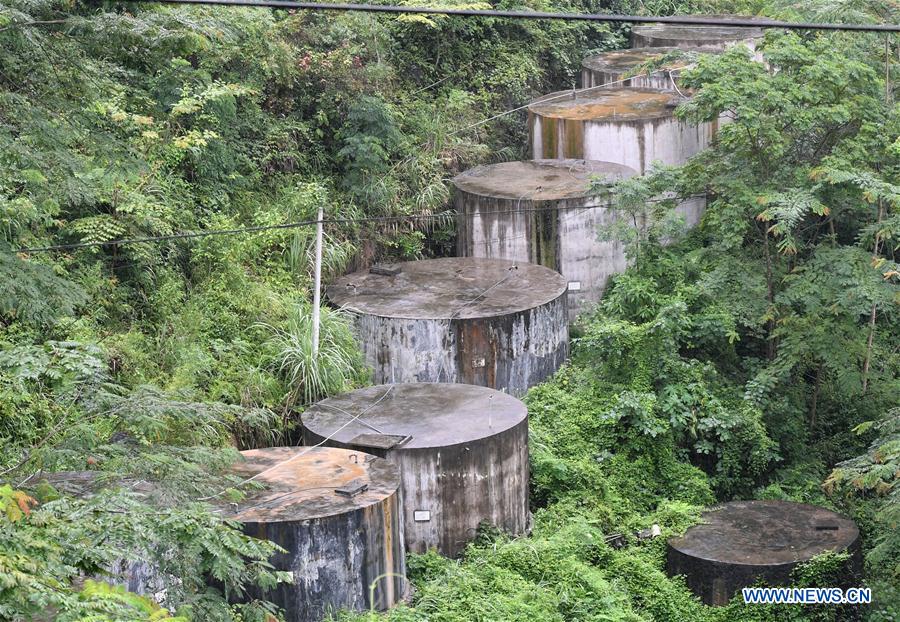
(614,103)
(302,482)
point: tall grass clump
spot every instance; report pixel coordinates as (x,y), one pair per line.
(308,378)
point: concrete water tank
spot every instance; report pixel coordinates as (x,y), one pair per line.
(462,451)
(630,126)
(137,570)
(337,513)
(546,212)
(613,67)
(490,322)
(741,542)
(689,36)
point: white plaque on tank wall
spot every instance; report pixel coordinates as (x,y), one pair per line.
(574,286)
(479,362)
(421,516)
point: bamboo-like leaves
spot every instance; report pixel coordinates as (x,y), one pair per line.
(310,377)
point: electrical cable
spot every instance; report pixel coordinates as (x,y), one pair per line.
(509,273)
(268,502)
(349,414)
(289,225)
(303,452)
(532,15)
(544,100)
(294,225)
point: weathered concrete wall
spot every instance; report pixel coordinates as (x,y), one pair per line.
(552,219)
(628,126)
(336,547)
(657,80)
(466,461)
(334,560)
(744,541)
(506,351)
(510,352)
(408,350)
(463,486)
(557,234)
(691,210)
(612,67)
(615,135)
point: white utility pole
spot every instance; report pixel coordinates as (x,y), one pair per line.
(317,284)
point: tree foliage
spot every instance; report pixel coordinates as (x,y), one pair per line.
(750,357)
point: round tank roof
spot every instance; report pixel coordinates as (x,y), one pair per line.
(448,288)
(765,533)
(431,414)
(304,483)
(88,483)
(700,35)
(619,104)
(540,180)
(620,61)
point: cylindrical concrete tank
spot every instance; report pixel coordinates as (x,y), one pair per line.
(744,541)
(494,323)
(629,126)
(546,212)
(688,36)
(140,575)
(613,67)
(462,452)
(337,513)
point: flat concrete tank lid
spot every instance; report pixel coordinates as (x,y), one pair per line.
(623,60)
(311,482)
(615,104)
(430,414)
(540,180)
(766,533)
(700,34)
(449,288)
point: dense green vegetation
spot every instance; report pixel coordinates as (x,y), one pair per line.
(757,356)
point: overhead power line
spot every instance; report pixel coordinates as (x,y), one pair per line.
(301,453)
(296,225)
(589,17)
(307,223)
(213,232)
